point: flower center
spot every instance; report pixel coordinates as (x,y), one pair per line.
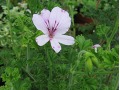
(51,35)
(51,30)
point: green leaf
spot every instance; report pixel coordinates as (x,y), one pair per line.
(82,43)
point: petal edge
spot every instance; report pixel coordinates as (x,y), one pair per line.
(41,40)
(65,39)
(55,45)
(39,23)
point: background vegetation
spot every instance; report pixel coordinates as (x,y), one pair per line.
(26,66)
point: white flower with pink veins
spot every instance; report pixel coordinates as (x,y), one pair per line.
(53,24)
(96,46)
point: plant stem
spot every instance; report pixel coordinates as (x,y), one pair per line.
(115,29)
(27,71)
(27,52)
(8,8)
(117,82)
(9,23)
(29,75)
(70,82)
(72,71)
(50,74)
(72,18)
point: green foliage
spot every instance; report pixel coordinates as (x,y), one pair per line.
(82,43)
(26,66)
(14,81)
(102,31)
(90,3)
(110,58)
(37,5)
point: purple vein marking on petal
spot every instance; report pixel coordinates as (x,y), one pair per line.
(47,24)
(55,26)
(58,46)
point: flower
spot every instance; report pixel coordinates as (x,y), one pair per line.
(96,46)
(54,25)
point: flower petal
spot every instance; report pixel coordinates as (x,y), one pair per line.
(55,45)
(64,24)
(41,40)
(39,23)
(96,46)
(45,14)
(61,17)
(65,39)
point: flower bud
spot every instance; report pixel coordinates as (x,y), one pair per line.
(89,65)
(95,61)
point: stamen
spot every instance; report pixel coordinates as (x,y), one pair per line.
(52,29)
(46,24)
(54,23)
(55,26)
